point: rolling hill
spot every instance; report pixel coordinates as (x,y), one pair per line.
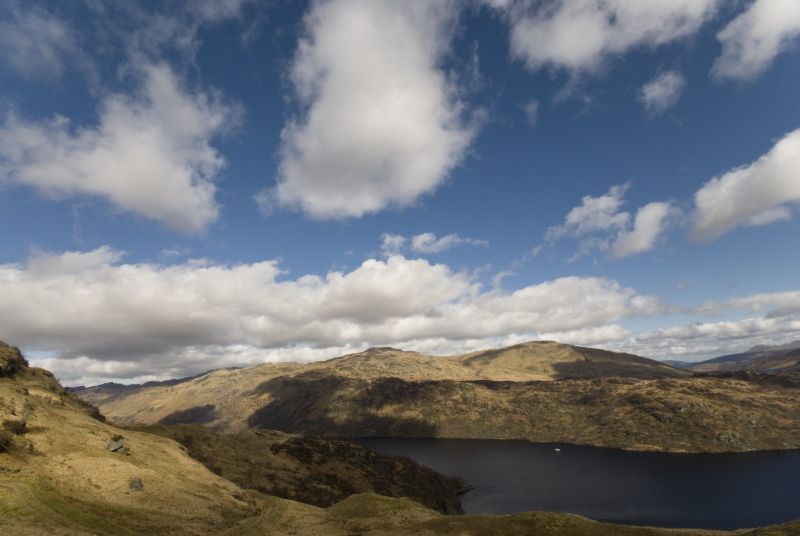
(781,359)
(538,391)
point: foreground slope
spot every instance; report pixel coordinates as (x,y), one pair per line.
(536,391)
(57,472)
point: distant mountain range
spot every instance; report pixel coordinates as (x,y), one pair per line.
(779,359)
(540,391)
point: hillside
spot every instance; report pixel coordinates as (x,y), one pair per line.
(577,395)
(312,470)
(65,472)
(780,359)
(226,399)
(58,474)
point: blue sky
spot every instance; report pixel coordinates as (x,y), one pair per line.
(188,185)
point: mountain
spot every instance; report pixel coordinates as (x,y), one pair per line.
(66,472)
(779,359)
(539,391)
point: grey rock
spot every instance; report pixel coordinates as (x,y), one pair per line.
(136,484)
(117,446)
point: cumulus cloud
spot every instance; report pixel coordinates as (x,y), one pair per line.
(425,243)
(663,92)
(600,213)
(180,318)
(763,192)
(149,154)
(580,35)
(599,223)
(37,44)
(381,124)
(647,227)
(752,41)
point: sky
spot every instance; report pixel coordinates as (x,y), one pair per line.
(189,185)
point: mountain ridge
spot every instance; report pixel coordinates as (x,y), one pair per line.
(539,391)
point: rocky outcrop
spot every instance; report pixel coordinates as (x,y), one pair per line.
(11,360)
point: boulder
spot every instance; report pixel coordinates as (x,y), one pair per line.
(116,445)
(136,484)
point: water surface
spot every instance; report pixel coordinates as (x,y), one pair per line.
(714,491)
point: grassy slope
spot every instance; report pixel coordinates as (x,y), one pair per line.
(60,475)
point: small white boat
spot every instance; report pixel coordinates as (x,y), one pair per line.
(557,450)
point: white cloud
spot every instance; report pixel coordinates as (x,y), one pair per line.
(429,243)
(649,224)
(392,244)
(775,303)
(600,213)
(382,123)
(37,44)
(425,243)
(599,223)
(663,92)
(763,192)
(703,340)
(180,318)
(149,154)
(580,35)
(752,41)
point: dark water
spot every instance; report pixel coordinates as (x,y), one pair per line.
(715,491)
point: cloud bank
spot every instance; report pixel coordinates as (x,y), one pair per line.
(178,319)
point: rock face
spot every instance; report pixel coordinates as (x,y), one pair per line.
(11,360)
(315,471)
